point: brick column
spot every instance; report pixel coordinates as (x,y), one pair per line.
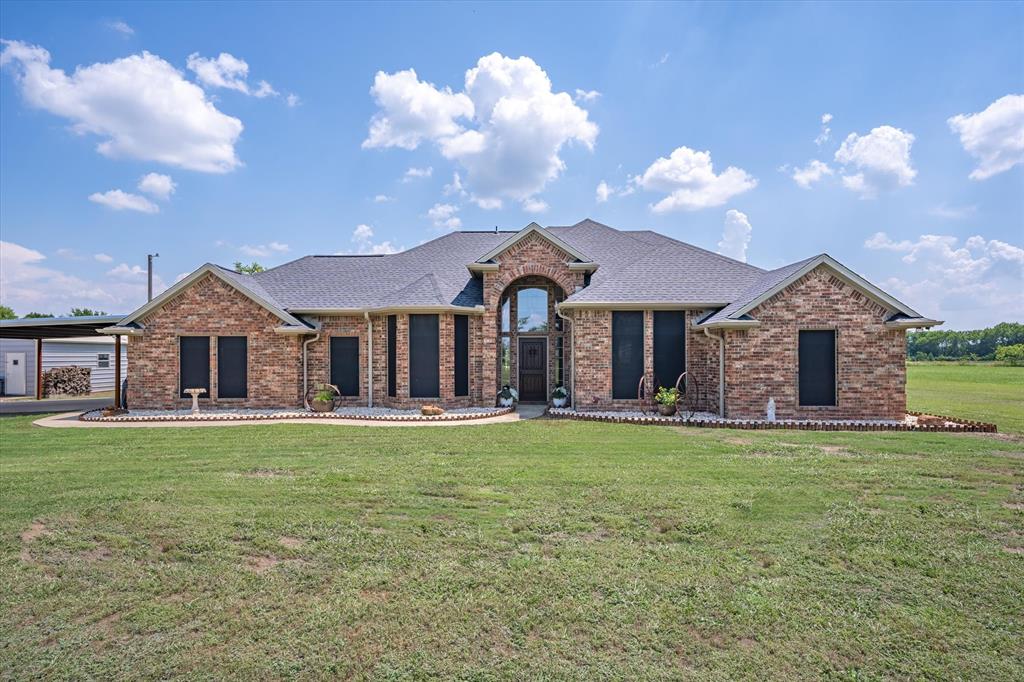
(402,357)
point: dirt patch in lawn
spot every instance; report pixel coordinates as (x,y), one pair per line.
(30,535)
(37,529)
(374,596)
(291,542)
(98,553)
(1018,506)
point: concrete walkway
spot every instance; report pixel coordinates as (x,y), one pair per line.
(69,420)
(43,406)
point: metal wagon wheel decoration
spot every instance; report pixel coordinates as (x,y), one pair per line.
(689,396)
(688,404)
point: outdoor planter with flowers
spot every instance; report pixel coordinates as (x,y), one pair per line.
(507,396)
(323,399)
(667,399)
(559,397)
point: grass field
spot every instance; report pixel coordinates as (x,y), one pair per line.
(984,391)
(542,549)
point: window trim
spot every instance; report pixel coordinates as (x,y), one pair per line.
(359,369)
(628,392)
(462,320)
(835,368)
(392,355)
(437,368)
(220,365)
(209,370)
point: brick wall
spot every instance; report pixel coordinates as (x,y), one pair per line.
(870,364)
(532,260)
(212,308)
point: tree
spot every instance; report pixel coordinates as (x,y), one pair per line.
(250,269)
(954,345)
(30,316)
(1011,355)
(7,313)
(86,312)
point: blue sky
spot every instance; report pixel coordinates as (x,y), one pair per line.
(267,132)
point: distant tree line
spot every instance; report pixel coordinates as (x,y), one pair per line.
(976,344)
(7,313)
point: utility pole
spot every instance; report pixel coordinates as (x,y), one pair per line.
(149,263)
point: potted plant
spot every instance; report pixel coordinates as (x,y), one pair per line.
(323,400)
(507,396)
(667,399)
(559,396)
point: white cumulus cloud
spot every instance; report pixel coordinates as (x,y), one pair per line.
(735,235)
(586,95)
(602,192)
(505,129)
(229,72)
(534,205)
(140,106)
(121,27)
(995,136)
(813,172)
(689,179)
(363,238)
(119,200)
(417,173)
(443,217)
(974,284)
(103,258)
(263,250)
(825,134)
(878,160)
(26,284)
(157,185)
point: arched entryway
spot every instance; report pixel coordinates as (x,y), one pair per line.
(532,339)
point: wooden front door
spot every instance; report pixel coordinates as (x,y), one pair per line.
(533,367)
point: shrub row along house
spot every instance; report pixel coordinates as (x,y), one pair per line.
(600,311)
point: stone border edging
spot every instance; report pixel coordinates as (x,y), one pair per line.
(958,425)
(96,416)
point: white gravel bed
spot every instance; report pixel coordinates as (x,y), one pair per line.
(227,414)
(708,417)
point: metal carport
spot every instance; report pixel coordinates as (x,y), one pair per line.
(40,328)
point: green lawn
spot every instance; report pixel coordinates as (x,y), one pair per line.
(543,549)
(982,391)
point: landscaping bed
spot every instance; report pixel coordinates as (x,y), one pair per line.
(913,421)
(248,414)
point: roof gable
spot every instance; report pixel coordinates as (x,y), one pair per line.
(250,290)
(533,228)
(775,281)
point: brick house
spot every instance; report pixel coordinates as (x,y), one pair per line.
(605,313)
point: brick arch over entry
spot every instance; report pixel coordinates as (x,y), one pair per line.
(567,280)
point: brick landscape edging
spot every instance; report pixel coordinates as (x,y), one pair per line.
(96,416)
(958,425)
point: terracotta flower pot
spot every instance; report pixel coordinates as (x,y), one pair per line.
(322,405)
(666,410)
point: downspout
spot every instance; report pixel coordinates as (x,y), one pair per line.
(305,372)
(721,369)
(572,357)
(369,358)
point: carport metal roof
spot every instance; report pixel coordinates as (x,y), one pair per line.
(56,327)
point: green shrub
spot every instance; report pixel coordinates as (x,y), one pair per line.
(1011,355)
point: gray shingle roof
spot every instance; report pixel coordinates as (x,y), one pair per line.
(649,267)
(763,284)
(633,267)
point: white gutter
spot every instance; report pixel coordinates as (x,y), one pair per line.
(721,369)
(572,357)
(305,372)
(369,358)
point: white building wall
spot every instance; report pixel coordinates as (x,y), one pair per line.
(83,352)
